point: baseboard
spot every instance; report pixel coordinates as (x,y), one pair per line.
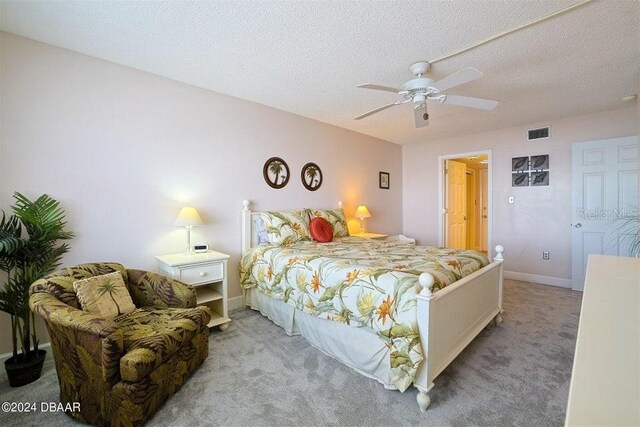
(40,347)
(234,303)
(535,278)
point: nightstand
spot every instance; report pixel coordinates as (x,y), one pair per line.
(207,273)
(402,239)
(374,236)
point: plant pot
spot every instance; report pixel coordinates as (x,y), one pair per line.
(24,371)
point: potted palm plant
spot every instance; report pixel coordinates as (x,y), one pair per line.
(29,249)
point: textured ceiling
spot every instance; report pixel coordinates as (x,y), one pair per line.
(308,57)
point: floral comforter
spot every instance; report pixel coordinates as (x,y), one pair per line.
(360,282)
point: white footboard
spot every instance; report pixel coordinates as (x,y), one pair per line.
(448,320)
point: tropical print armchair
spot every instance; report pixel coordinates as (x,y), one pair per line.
(121,370)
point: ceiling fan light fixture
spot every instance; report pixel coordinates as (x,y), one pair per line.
(420,89)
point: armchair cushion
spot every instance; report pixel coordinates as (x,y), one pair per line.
(151,337)
(60,283)
(106,295)
(154,290)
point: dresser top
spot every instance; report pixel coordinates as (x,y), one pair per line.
(183,258)
(604,386)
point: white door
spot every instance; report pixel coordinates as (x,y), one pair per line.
(484,213)
(605,191)
(456,197)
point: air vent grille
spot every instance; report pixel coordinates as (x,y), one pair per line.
(536,134)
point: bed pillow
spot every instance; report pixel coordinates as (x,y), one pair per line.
(106,295)
(285,228)
(335,217)
(321,230)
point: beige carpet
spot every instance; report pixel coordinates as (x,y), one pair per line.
(256,375)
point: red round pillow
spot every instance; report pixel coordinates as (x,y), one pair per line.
(321,230)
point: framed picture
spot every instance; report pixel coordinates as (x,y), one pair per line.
(539,178)
(311,176)
(384,180)
(540,162)
(519,179)
(275,172)
(519,164)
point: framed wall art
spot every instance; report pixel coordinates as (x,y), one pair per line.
(520,179)
(383,180)
(311,176)
(530,171)
(540,162)
(539,178)
(276,172)
(519,164)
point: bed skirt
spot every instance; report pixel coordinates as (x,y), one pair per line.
(357,347)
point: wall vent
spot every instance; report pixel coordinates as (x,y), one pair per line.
(540,133)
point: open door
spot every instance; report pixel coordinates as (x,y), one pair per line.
(456,204)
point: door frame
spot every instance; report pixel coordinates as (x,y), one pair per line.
(442,191)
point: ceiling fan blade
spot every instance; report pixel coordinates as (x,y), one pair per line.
(468,101)
(384,107)
(456,79)
(421,116)
(378,87)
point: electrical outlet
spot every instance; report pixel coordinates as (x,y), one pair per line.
(545,255)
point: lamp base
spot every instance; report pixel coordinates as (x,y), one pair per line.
(362,229)
(189,250)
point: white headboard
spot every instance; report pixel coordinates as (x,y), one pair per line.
(249,234)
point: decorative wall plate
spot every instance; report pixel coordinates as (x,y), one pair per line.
(276,172)
(311,176)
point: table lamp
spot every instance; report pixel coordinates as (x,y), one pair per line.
(188,217)
(362,212)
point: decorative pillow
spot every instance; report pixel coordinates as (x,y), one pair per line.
(335,217)
(320,229)
(106,295)
(285,228)
(261,232)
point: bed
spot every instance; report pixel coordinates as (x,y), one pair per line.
(394,312)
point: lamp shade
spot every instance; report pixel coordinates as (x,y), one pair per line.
(188,217)
(362,212)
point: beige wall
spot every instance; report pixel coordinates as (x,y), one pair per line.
(541,216)
(123,150)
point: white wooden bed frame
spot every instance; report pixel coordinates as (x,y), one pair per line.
(448,320)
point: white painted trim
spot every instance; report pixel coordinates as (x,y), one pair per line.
(441,160)
(10,354)
(536,278)
(235,302)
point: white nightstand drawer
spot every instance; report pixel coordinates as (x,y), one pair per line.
(202,273)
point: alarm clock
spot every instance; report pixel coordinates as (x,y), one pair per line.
(200,248)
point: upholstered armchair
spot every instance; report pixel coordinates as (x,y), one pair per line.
(121,370)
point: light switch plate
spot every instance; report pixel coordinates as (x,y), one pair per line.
(512,200)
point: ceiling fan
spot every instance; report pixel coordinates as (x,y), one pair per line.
(421,89)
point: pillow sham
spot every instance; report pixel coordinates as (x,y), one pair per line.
(335,217)
(285,228)
(321,230)
(105,295)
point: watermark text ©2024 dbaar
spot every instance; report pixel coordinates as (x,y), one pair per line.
(20,407)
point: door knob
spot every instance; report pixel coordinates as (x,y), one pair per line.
(578,225)
(484,216)
(465,218)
